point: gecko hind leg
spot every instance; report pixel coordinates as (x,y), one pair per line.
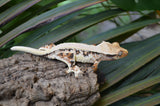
(73,68)
(69,59)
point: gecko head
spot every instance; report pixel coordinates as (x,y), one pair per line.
(113,50)
(119,51)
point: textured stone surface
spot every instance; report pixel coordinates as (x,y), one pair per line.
(27,80)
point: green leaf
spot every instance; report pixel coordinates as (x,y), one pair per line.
(119,31)
(138,56)
(74,26)
(135,5)
(0,31)
(45,29)
(30,13)
(124,36)
(47,17)
(48,5)
(149,70)
(3,2)
(147,101)
(47,2)
(16,10)
(128,90)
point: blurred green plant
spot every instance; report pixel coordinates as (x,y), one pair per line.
(38,22)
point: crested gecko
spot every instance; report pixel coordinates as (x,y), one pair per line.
(70,53)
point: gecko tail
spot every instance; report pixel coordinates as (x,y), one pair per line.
(29,50)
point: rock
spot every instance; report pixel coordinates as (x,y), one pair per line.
(28,80)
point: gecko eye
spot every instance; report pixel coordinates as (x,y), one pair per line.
(120,53)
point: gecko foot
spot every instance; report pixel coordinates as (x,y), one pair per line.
(76,71)
(69,71)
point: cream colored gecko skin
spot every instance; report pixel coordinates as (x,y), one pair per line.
(70,53)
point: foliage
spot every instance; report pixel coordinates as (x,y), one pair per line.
(38,22)
(138,4)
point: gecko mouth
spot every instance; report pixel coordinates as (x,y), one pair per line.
(112,57)
(108,55)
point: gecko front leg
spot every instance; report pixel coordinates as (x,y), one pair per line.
(95,65)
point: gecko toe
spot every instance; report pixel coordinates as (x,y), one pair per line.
(77,71)
(69,71)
